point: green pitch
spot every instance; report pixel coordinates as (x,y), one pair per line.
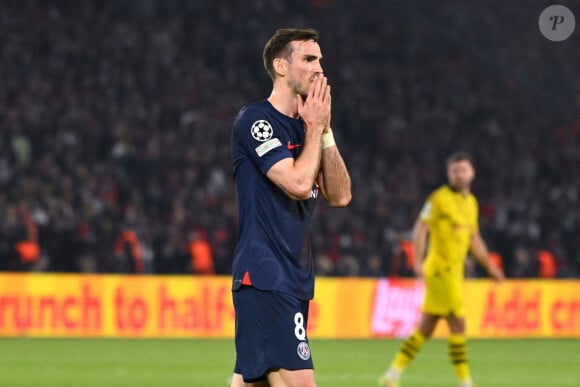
(208,363)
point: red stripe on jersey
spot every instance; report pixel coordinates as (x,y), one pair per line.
(246,280)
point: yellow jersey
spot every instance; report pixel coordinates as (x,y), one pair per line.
(453,219)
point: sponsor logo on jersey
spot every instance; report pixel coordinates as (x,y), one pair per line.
(293,146)
(315,189)
(303,350)
(314,193)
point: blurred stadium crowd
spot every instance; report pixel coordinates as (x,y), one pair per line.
(115,119)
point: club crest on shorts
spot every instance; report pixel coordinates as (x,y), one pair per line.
(303,350)
(262,130)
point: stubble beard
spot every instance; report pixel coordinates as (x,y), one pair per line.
(298,89)
(461,185)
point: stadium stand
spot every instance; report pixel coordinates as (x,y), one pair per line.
(115,117)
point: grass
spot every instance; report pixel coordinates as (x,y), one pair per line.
(208,363)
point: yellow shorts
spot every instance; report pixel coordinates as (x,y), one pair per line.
(443,295)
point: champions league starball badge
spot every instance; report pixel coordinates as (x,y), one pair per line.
(262,130)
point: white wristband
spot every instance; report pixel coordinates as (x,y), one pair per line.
(328,139)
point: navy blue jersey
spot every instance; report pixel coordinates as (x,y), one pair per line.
(273,250)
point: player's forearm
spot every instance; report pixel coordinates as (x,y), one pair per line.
(419,247)
(307,165)
(480,252)
(420,232)
(336,179)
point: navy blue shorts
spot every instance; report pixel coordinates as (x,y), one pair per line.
(270,333)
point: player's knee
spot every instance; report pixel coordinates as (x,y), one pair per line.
(237,381)
(286,378)
(304,378)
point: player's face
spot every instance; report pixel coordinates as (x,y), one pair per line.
(304,66)
(460,174)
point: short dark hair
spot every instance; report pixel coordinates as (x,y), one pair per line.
(278,45)
(459,156)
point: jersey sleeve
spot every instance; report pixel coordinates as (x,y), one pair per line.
(257,137)
(428,211)
(475,226)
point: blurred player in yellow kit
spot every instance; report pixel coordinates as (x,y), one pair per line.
(450,219)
